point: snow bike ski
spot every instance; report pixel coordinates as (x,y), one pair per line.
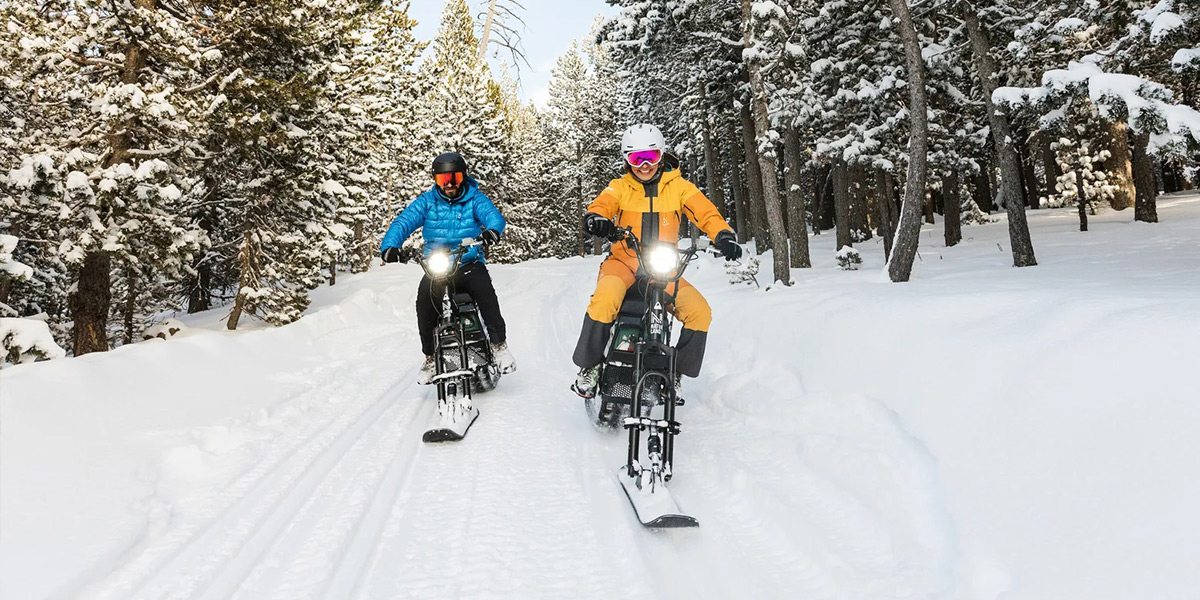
(639,370)
(462,350)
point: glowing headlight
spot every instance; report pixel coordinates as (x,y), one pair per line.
(663,260)
(439,263)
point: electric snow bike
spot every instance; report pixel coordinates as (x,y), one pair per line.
(462,350)
(639,371)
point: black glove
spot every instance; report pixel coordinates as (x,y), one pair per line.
(391,255)
(726,242)
(598,225)
(489,237)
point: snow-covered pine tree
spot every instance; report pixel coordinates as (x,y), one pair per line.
(460,111)
(764,32)
(270,136)
(102,172)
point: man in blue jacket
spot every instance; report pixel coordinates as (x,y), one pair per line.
(451,210)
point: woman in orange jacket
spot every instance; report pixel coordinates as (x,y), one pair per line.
(650,198)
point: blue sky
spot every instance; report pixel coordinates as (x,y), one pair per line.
(550,27)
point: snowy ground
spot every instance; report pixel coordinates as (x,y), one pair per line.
(981,432)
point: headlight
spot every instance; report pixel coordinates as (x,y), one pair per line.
(438,263)
(663,260)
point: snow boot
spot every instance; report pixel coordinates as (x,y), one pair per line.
(503,358)
(587,381)
(428,370)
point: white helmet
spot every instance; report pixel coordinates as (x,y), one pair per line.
(642,137)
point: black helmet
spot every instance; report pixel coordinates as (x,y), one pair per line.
(449,162)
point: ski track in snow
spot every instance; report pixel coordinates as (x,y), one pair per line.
(331,493)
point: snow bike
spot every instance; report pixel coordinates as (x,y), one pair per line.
(639,371)
(462,350)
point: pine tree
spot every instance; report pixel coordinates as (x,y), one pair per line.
(107,150)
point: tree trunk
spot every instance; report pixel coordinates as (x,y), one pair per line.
(797,227)
(90,304)
(766,161)
(1081,200)
(200,286)
(953,210)
(736,187)
(130,305)
(883,203)
(93,297)
(1145,206)
(1018,228)
(860,224)
(1028,173)
(983,188)
(6,285)
(1173,178)
(908,232)
(754,176)
(712,176)
(932,198)
(1049,165)
(823,215)
(487,29)
(1119,166)
(841,205)
(245,265)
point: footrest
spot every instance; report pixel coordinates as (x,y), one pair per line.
(654,424)
(450,375)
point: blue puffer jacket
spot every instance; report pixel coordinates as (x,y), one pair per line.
(446,222)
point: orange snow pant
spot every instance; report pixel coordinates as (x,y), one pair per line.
(617,276)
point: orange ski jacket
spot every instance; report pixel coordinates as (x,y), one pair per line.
(655,210)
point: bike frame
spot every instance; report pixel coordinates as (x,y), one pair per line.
(654,358)
(451,323)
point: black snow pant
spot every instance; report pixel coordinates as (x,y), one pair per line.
(472,278)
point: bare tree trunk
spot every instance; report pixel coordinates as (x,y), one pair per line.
(823,213)
(245,265)
(1173,179)
(860,223)
(766,161)
(1145,207)
(983,188)
(1049,165)
(883,202)
(1081,200)
(487,29)
(1119,165)
(1018,228)
(130,305)
(797,225)
(841,205)
(908,232)
(953,218)
(712,176)
(6,284)
(754,176)
(1028,173)
(90,303)
(736,160)
(932,198)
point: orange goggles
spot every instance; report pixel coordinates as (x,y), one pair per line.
(443,179)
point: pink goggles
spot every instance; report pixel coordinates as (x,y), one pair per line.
(641,157)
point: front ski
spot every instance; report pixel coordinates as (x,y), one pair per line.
(652,502)
(452,429)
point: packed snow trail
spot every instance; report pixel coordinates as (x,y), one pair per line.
(848,438)
(330,493)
